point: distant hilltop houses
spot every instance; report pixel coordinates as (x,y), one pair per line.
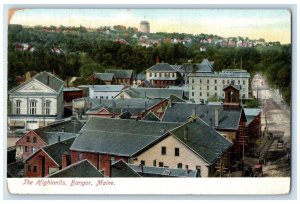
(142,36)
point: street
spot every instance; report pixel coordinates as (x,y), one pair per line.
(275,120)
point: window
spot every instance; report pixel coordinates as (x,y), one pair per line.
(47,107)
(154,74)
(200,93)
(186,166)
(243,82)
(161,164)
(192,81)
(223,82)
(163,151)
(179,165)
(32,107)
(192,93)
(33,149)
(176,152)
(142,162)
(215,88)
(28,167)
(239,81)
(27,139)
(227,81)
(207,94)
(215,81)
(26,149)
(18,107)
(80,156)
(101,97)
(233,82)
(35,168)
(106,97)
(215,94)
(207,81)
(34,140)
(154,162)
(192,87)
(200,81)
(200,88)
(150,74)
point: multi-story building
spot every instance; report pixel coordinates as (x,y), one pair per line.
(162,75)
(204,85)
(36,102)
(144,27)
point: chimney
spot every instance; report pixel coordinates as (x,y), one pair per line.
(142,168)
(210,122)
(216,117)
(48,80)
(58,138)
(157,59)
(186,169)
(64,160)
(185,133)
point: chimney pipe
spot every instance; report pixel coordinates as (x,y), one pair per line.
(185,133)
(210,122)
(48,80)
(64,161)
(58,138)
(142,168)
(216,117)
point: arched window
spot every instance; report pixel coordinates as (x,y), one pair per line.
(32,107)
(179,165)
(47,107)
(18,106)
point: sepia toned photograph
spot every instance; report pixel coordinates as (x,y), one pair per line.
(147,93)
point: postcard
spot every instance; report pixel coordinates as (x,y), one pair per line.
(149,101)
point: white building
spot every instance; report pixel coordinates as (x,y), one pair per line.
(204,85)
(36,102)
(144,27)
(105,91)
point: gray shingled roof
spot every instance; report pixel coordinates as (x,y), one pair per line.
(105,76)
(81,169)
(53,137)
(153,93)
(161,67)
(56,150)
(237,87)
(203,140)
(228,118)
(119,137)
(135,105)
(162,171)
(119,73)
(150,116)
(107,88)
(121,169)
(54,130)
(54,83)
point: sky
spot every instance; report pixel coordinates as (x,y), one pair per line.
(270,24)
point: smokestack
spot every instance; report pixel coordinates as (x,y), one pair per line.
(186,169)
(185,133)
(157,59)
(142,168)
(216,117)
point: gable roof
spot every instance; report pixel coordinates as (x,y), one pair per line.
(134,106)
(121,169)
(251,114)
(56,150)
(153,93)
(49,134)
(119,137)
(237,87)
(203,140)
(228,118)
(105,76)
(54,82)
(162,171)
(80,169)
(120,73)
(161,67)
(150,116)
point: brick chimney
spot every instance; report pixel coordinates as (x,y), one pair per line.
(64,161)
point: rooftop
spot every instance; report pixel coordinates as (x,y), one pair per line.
(107,88)
(81,169)
(120,73)
(105,76)
(161,67)
(118,136)
(153,93)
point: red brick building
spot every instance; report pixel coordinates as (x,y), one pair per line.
(49,159)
